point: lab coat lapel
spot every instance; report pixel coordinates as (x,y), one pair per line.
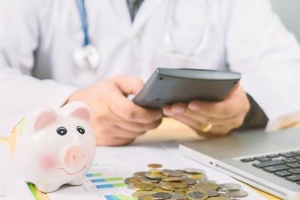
(145,12)
(122,13)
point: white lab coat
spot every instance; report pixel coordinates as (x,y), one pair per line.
(38,37)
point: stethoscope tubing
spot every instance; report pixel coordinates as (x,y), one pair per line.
(84,23)
(167,36)
(187,56)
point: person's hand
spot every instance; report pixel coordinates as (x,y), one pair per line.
(209,119)
(116,120)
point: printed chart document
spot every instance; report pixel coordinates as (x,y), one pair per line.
(105,179)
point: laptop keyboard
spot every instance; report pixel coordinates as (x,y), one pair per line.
(285,165)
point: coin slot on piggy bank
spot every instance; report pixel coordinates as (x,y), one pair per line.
(53,147)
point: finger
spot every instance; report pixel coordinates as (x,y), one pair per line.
(107,120)
(174,109)
(112,141)
(196,120)
(121,106)
(138,127)
(109,130)
(222,127)
(180,109)
(128,111)
(128,84)
(203,118)
(234,104)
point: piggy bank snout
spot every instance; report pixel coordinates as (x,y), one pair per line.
(76,156)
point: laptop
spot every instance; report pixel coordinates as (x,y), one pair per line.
(269,161)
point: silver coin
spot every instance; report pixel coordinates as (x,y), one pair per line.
(193,171)
(223,195)
(219,198)
(196,195)
(230,186)
(177,197)
(169,172)
(161,195)
(211,193)
(147,180)
(189,181)
(237,193)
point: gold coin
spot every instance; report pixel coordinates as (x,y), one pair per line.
(155,176)
(137,194)
(154,171)
(218,198)
(145,197)
(174,185)
(186,184)
(171,178)
(131,180)
(155,165)
(166,186)
(182,191)
(197,177)
(142,186)
(139,174)
(206,184)
(159,189)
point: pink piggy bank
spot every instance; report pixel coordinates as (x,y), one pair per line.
(54,147)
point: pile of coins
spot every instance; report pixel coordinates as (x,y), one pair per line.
(185,184)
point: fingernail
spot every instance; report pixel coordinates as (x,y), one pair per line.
(167,111)
(179,110)
(194,107)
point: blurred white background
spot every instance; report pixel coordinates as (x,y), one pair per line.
(289,12)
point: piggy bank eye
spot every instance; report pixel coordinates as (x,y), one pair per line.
(80,129)
(62,131)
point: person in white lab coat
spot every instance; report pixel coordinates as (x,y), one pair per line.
(42,61)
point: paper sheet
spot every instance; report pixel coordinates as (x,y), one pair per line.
(2,189)
(113,164)
(13,186)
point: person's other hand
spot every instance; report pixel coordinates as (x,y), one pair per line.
(116,120)
(209,119)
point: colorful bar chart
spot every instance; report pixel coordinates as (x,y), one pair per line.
(104,183)
(101,180)
(102,186)
(117,197)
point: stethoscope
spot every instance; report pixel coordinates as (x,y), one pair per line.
(87,56)
(191,55)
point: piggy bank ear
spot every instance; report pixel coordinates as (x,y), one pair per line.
(77,110)
(42,116)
